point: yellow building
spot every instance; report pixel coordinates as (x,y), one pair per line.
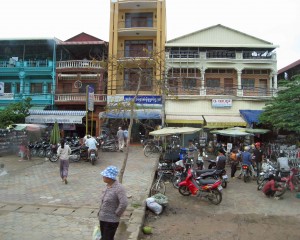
(136,52)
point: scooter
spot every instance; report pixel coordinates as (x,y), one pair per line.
(208,188)
(246,172)
(93,156)
(109,145)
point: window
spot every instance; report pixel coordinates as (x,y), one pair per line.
(213,83)
(7,87)
(131,79)
(189,83)
(137,48)
(17,87)
(138,20)
(36,88)
(248,83)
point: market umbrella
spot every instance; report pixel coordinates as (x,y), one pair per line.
(174,130)
(232,133)
(55,134)
(250,130)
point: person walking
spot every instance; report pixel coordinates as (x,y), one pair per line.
(113,203)
(63,153)
(120,136)
(234,161)
(125,137)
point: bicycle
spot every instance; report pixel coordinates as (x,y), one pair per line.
(159,185)
(152,148)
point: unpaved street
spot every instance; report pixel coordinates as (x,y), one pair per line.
(244,214)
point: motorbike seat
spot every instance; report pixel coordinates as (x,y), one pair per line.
(207,181)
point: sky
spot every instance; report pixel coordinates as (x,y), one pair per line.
(275,21)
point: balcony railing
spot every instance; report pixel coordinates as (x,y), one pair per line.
(83,64)
(26,63)
(142,53)
(149,23)
(78,76)
(79,97)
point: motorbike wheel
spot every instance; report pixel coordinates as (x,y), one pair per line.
(175,181)
(53,158)
(246,178)
(262,184)
(224,184)
(41,153)
(48,153)
(158,187)
(260,179)
(77,159)
(184,190)
(215,197)
(147,150)
(280,193)
(34,153)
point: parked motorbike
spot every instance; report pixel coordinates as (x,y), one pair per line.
(109,145)
(79,153)
(208,188)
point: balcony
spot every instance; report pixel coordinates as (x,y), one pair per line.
(81,64)
(79,98)
(138,28)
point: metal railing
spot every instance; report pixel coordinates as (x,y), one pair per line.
(79,97)
(149,23)
(80,64)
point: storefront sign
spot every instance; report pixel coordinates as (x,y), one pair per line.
(144,99)
(221,103)
(52,119)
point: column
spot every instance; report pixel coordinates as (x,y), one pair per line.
(202,89)
(239,83)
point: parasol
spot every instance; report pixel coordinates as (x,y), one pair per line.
(55,134)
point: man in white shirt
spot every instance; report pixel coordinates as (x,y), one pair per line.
(91,143)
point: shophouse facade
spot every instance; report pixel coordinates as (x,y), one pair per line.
(27,69)
(214,74)
(136,51)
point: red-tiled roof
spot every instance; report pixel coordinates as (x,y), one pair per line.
(288,67)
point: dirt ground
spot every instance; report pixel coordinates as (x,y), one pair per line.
(243,214)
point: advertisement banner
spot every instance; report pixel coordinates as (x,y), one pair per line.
(144,99)
(90,98)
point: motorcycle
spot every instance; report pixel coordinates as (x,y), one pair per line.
(93,156)
(79,153)
(109,145)
(246,172)
(208,188)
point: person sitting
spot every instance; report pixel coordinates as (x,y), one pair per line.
(91,143)
(246,158)
(269,189)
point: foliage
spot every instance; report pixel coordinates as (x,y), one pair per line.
(283,111)
(15,113)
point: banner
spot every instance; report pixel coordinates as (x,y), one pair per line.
(91,98)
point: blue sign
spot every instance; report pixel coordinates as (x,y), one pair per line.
(144,99)
(90,98)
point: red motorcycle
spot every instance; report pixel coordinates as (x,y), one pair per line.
(208,188)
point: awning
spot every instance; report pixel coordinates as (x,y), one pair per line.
(223,121)
(138,114)
(196,119)
(174,130)
(37,108)
(52,116)
(251,116)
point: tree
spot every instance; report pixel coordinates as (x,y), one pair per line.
(283,111)
(15,113)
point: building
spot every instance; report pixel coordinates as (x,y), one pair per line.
(27,69)
(289,71)
(216,73)
(136,53)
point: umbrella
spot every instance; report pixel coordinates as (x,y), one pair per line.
(55,134)
(29,127)
(232,132)
(174,130)
(250,130)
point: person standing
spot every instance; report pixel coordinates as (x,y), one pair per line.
(258,157)
(113,203)
(120,136)
(125,137)
(234,162)
(63,153)
(221,159)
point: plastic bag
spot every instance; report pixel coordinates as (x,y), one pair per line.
(96,233)
(154,206)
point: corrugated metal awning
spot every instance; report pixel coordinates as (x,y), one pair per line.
(195,119)
(224,121)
